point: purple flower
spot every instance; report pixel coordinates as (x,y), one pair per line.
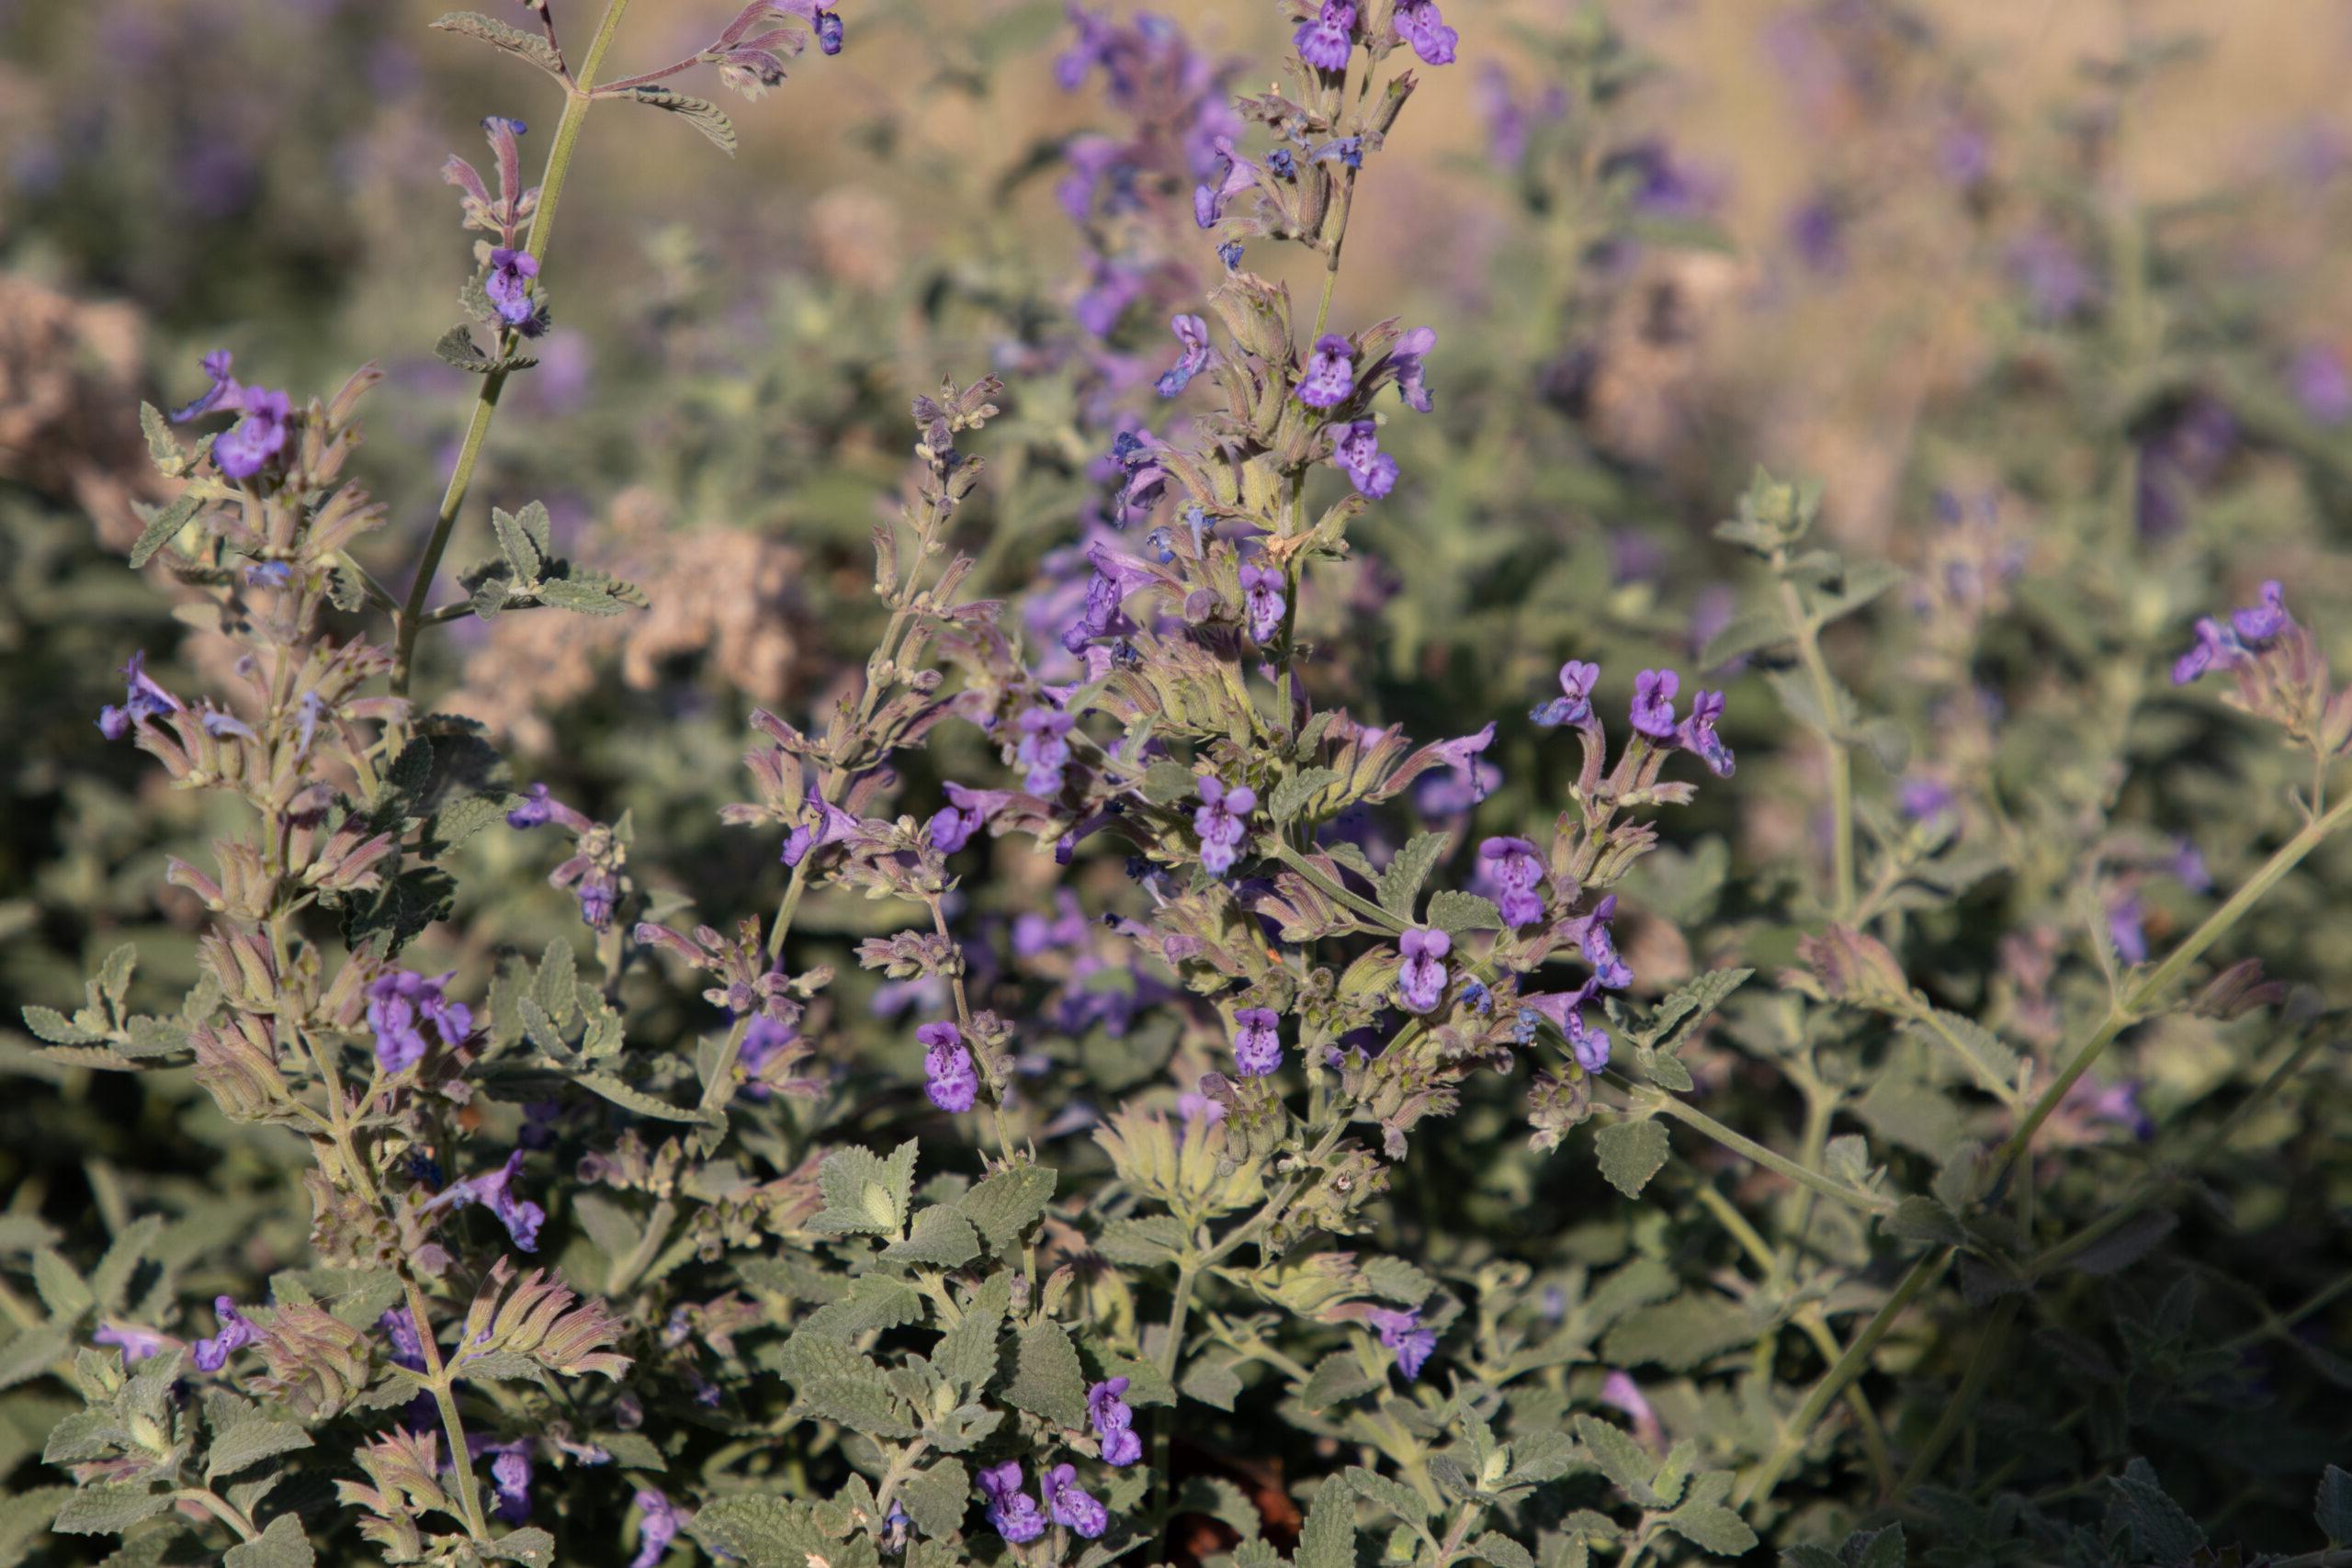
(1222,820)
(1230,176)
(965,812)
(408,1349)
(1011,1512)
(1404,362)
(1514,869)
(1574,705)
(399,1007)
(1654,702)
(1261,596)
(1330,369)
(510,1478)
(1419,24)
(509,284)
(539,807)
(1193,334)
(1358,453)
(2116,1103)
(1402,1332)
(495,1189)
(136,1343)
(1257,1044)
(2263,622)
(1588,1044)
(235,1333)
(142,699)
(658,1525)
(1921,796)
(2125,915)
(1698,733)
(2056,281)
(1591,935)
(2322,384)
(246,446)
(2214,645)
(1229,254)
(1072,1507)
(1420,984)
(1043,749)
(223,390)
(1324,42)
(1113,1422)
(763,1039)
(828,32)
(949,1078)
(1620,1392)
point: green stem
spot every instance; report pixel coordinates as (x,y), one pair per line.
(1981,1363)
(1841,765)
(437,1379)
(220,1509)
(1645,1099)
(577,99)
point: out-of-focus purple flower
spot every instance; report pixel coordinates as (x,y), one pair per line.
(1922,797)
(1817,233)
(1358,453)
(966,812)
(2057,282)
(1963,153)
(949,1078)
(658,1524)
(1590,932)
(1619,1391)
(1261,599)
(1698,734)
(2321,384)
(1407,362)
(2179,457)
(399,1007)
(1115,1422)
(1514,868)
(1662,183)
(509,284)
(2125,915)
(1574,705)
(1419,24)
(1011,1512)
(1421,983)
(510,1476)
(135,1342)
(1330,373)
(1402,1332)
(1222,819)
(2116,1103)
(1509,121)
(1653,712)
(1072,1505)
(245,448)
(211,1355)
(2215,645)
(2188,866)
(495,1191)
(1323,41)
(1257,1043)
(142,699)
(763,1039)
(539,807)
(2265,620)
(1035,934)
(1043,749)
(1193,336)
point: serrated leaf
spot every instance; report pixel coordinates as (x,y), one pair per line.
(1005,1206)
(1453,912)
(282,1545)
(938,1497)
(1989,1058)
(2333,1507)
(521,555)
(1631,1153)
(1501,1550)
(1220,1499)
(1690,1004)
(164,525)
(109,1509)
(1680,1333)
(1337,1376)
(862,1405)
(2160,1528)
(967,1354)
(1143,1242)
(581,598)
(1923,1219)
(1167,782)
(1711,1527)
(1046,1377)
(1400,884)
(1397,1280)
(941,1236)
(61,1290)
(33,1352)
(1328,1540)
(163,447)
(249,1442)
(630,1097)
(533,47)
(1292,796)
(57,1029)
(1212,1382)
(533,1547)
(1875,1548)
(1912,1116)
(863,1194)
(762,1532)
(874,1302)
(457,348)
(1745,634)
(700,113)
(1394,1495)
(1617,1456)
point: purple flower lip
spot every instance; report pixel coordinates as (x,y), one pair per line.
(1330,376)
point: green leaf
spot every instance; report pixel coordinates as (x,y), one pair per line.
(1971,1039)
(862,1404)
(1922,1219)
(1631,1153)
(1336,1377)
(1911,1115)
(1501,1550)
(937,1498)
(2334,1508)
(941,1237)
(630,1097)
(1453,912)
(533,47)
(2160,1528)
(57,1029)
(1212,1382)
(874,1302)
(762,1532)
(32,1352)
(1810,1557)
(1861,582)
(1166,782)
(865,1194)
(1219,1499)
(1617,1456)
(61,1290)
(1008,1204)
(1680,1333)
(1046,1377)
(1711,1527)
(1745,634)
(514,543)
(1295,793)
(109,1509)
(1875,1548)
(1146,1241)
(251,1441)
(1398,1281)
(1400,883)
(581,598)
(161,445)
(533,1547)
(700,113)
(1687,1006)
(1394,1495)
(1328,1540)
(967,1354)
(164,525)
(282,1545)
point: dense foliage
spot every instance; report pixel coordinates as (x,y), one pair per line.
(1319,934)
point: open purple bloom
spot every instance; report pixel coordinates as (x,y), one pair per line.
(136,1343)
(1406,362)
(1654,702)
(1420,984)
(1072,1506)
(539,807)
(1011,1512)
(1402,1332)
(1261,596)
(1192,335)
(1323,42)
(509,284)
(399,1006)
(1113,1422)
(1586,1042)
(2214,645)
(224,388)
(1044,749)
(2322,384)
(1257,1044)
(496,1189)
(1222,820)
(1330,372)
(1574,705)
(1230,176)
(1591,935)
(1358,453)
(142,699)
(658,1524)
(966,812)
(1514,868)
(2126,918)
(1922,797)
(211,1355)
(949,1078)
(1419,24)
(1698,734)
(510,1477)
(2264,621)
(245,448)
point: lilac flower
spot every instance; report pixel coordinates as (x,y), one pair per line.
(1514,869)
(1510,123)
(1261,596)
(142,699)
(510,1478)
(1230,176)
(1402,1332)
(1043,749)
(2322,384)
(1034,933)
(1588,1044)
(832,825)
(246,446)
(539,807)
(509,284)
(1654,702)
(223,390)
(1283,163)
(1230,254)
(1698,734)
(2188,865)
(1330,370)
(235,1333)
(136,1343)
(399,1007)
(828,32)
(1922,797)
(269,574)
(1323,42)
(2125,927)
(1420,984)
(1404,362)
(658,1524)
(1419,24)
(1662,183)
(949,1078)
(1192,333)
(1574,705)
(1222,819)
(496,1189)
(2056,281)
(2263,622)
(1358,453)
(310,711)
(1011,1512)
(1257,1044)
(2116,1103)
(1817,233)
(1620,1392)
(965,812)
(1072,1507)
(2214,645)
(1113,1422)
(1591,935)
(408,1349)
(1110,289)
